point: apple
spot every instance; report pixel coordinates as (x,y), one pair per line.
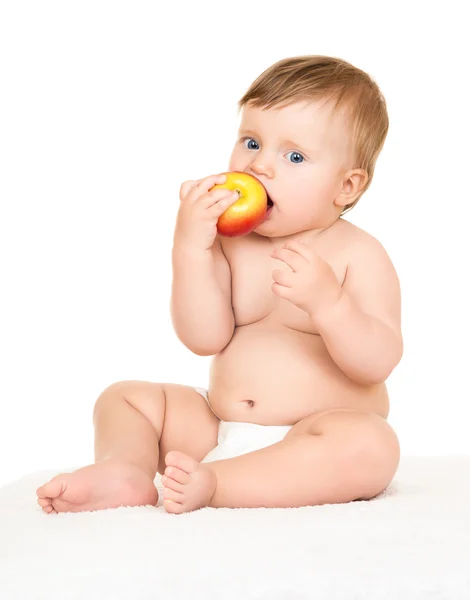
(249,211)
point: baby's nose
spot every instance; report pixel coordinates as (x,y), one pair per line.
(262,168)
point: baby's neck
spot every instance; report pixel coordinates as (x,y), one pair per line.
(309,236)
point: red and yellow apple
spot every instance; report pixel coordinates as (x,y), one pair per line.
(249,211)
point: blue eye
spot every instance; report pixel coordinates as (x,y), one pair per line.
(299,155)
(250,139)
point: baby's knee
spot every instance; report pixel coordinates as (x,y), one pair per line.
(119,390)
(147,397)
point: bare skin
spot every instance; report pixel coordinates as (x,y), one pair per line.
(275,370)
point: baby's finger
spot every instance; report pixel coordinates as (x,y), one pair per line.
(298,247)
(186,187)
(290,258)
(282,277)
(218,208)
(204,185)
(220,196)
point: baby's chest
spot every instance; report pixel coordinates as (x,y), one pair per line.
(252,297)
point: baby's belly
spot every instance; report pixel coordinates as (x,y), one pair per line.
(272,375)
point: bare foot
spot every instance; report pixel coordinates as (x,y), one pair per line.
(107,484)
(189,485)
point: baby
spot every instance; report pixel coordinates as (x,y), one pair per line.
(302,315)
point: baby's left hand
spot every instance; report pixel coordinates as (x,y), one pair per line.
(312,283)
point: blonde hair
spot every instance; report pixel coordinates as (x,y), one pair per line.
(323,77)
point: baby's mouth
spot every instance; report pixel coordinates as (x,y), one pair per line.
(270,203)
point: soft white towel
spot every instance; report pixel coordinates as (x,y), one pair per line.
(410,543)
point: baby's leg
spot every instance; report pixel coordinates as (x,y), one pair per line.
(334,456)
(136,424)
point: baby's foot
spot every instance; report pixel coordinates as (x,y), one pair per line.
(107,484)
(189,485)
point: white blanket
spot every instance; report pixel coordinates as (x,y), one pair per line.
(412,542)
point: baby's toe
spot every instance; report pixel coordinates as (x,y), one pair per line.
(171,484)
(52,489)
(177,475)
(173,507)
(46,505)
(169,494)
(43,502)
(181,461)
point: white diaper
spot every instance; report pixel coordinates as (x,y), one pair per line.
(236,438)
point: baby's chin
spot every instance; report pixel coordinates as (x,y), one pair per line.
(268,229)
(275,233)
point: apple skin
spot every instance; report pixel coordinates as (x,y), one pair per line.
(246,213)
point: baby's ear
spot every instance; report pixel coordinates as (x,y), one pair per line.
(354,182)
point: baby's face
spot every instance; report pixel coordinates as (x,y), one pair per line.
(300,153)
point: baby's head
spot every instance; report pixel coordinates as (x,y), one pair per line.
(311,130)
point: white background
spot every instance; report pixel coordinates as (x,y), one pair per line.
(107,107)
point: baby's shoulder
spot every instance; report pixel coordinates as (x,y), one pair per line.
(365,254)
(356,241)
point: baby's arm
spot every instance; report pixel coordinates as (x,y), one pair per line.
(362,332)
(201,306)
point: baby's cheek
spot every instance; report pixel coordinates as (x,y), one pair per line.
(235,162)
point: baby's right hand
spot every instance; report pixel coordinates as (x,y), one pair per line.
(199,211)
